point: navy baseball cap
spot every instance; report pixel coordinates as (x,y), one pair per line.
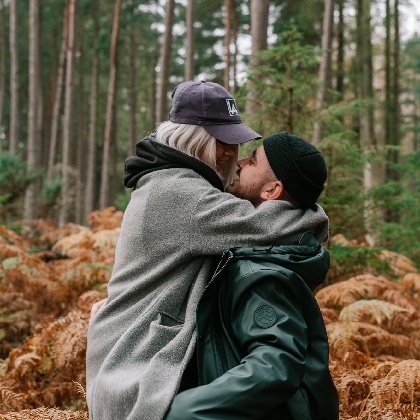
(212,107)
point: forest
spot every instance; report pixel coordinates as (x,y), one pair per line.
(81,82)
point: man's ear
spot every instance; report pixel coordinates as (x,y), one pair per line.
(272,190)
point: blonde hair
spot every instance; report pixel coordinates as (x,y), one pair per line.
(195,141)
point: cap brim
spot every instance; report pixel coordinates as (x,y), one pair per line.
(232,133)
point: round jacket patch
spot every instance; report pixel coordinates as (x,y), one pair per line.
(265,316)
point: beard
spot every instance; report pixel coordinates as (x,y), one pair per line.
(251,192)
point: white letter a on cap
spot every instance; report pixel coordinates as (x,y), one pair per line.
(233,110)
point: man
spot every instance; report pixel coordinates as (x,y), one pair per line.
(262,350)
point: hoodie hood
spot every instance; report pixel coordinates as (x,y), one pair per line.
(308,258)
(153,156)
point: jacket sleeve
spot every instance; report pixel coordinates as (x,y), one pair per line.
(269,325)
(220,220)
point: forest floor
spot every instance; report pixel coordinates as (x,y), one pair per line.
(50,277)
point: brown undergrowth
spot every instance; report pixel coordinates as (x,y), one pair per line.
(49,279)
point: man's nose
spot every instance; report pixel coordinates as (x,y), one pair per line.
(241,163)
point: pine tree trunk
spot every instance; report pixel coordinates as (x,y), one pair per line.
(14,80)
(110,109)
(2,61)
(32,143)
(132,128)
(259,28)
(227,42)
(189,59)
(165,65)
(68,114)
(90,170)
(324,70)
(55,118)
(340,52)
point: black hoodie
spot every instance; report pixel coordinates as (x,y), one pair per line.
(153,156)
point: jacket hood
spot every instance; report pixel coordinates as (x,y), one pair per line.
(153,156)
(308,258)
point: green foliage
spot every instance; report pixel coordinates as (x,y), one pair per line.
(349,261)
(122,200)
(50,197)
(404,196)
(14,179)
(287,80)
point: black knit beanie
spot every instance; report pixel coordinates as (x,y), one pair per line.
(298,165)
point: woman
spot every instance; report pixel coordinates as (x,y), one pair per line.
(178,220)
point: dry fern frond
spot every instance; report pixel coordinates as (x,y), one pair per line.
(85,301)
(397,297)
(107,218)
(106,238)
(12,399)
(12,238)
(399,264)
(8,251)
(376,312)
(400,386)
(77,241)
(340,239)
(70,343)
(352,390)
(411,282)
(66,230)
(369,339)
(329,315)
(45,414)
(366,286)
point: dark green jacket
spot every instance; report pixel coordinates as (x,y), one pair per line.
(262,347)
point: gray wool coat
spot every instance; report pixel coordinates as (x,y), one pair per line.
(175,225)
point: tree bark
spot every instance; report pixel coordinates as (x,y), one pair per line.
(259,29)
(227,42)
(14,80)
(32,141)
(165,65)
(132,128)
(55,118)
(68,114)
(2,61)
(190,47)
(340,52)
(90,170)
(324,70)
(110,108)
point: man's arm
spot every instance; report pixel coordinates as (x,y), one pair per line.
(273,368)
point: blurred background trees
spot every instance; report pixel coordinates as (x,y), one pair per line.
(82,81)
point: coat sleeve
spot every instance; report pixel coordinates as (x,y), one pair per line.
(269,325)
(220,220)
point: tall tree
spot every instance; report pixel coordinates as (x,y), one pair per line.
(340,49)
(132,126)
(231,34)
(259,30)
(68,114)
(365,92)
(2,59)
(32,140)
(55,118)
(324,69)
(14,79)
(110,108)
(165,62)
(190,46)
(90,170)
